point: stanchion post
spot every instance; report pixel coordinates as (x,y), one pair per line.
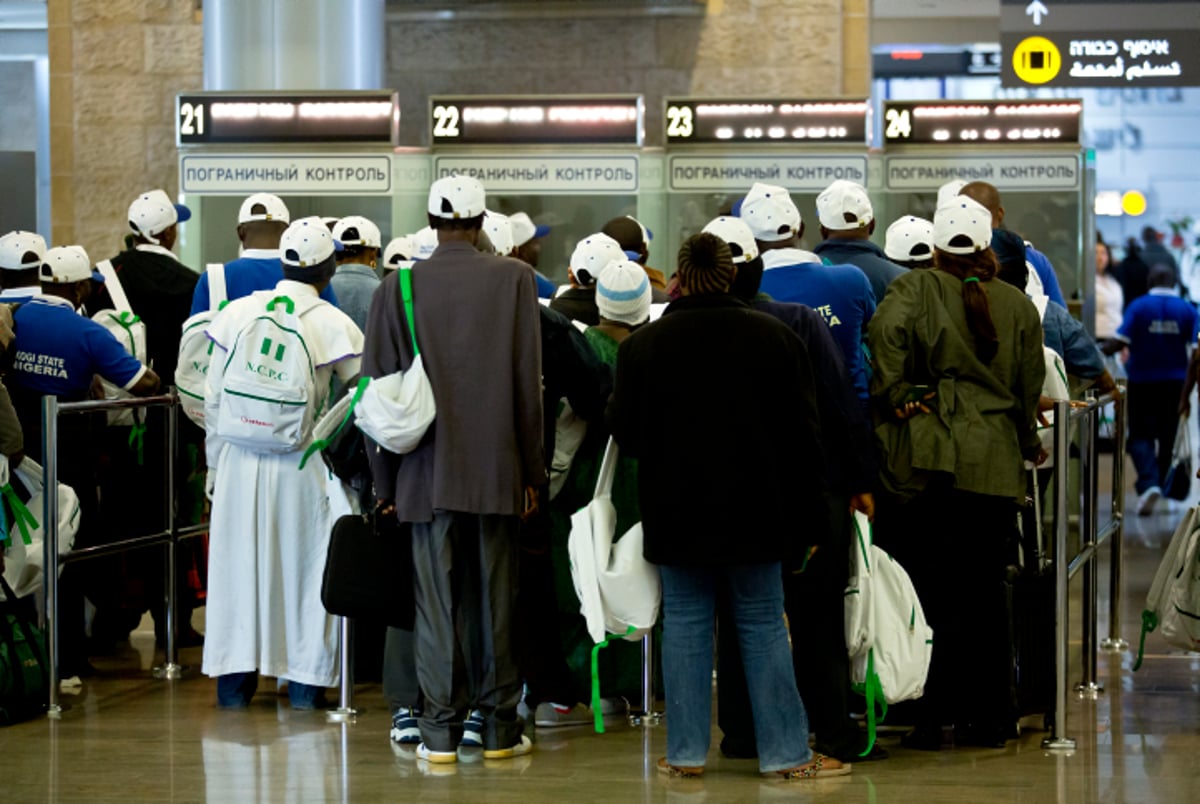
(1089,687)
(647,716)
(1114,643)
(50,557)
(1057,741)
(345,713)
(171,668)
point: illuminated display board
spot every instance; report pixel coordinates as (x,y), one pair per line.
(287,117)
(981,122)
(533,120)
(701,120)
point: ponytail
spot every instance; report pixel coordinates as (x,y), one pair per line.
(974,270)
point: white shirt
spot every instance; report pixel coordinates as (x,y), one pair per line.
(779,257)
(1110,305)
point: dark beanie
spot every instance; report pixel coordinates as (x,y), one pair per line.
(1009,249)
(311,274)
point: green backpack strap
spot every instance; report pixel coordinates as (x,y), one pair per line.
(406,298)
(22,518)
(1149,623)
(597,709)
(321,443)
(872,690)
(288,304)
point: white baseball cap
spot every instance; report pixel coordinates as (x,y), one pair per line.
(949,190)
(592,254)
(153,212)
(524,229)
(425,241)
(21,250)
(623,292)
(736,233)
(456,198)
(770,213)
(963,219)
(307,242)
(355,230)
(66,264)
(909,238)
(844,205)
(272,209)
(399,252)
(500,231)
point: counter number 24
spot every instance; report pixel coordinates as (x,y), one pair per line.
(899,124)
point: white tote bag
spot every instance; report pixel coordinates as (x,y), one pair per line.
(24,559)
(619,590)
(396,410)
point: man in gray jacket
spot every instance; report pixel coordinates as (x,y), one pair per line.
(469,482)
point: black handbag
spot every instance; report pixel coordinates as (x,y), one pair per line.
(369,570)
(1178,483)
(24,666)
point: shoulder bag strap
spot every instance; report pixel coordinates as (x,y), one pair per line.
(406,298)
(216,286)
(608,469)
(113,284)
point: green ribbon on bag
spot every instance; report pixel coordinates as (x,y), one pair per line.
(137,441)
(22,518)
(597,709)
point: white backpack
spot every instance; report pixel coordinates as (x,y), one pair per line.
(1173,605)
(128,329)
(269,395)
(889,641)
(195,348)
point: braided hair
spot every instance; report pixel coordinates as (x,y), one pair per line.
(705,265)
(974,269)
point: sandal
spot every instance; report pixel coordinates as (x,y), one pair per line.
(815,770)
(679,772)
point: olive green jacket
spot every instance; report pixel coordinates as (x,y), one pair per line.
(984,416)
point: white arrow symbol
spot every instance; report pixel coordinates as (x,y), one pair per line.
(1037,9)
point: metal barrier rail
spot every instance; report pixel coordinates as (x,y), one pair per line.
(51,410)
(1092,537)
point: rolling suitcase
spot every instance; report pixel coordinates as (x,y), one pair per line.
(1031,607)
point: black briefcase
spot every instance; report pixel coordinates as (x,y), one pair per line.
(369,570)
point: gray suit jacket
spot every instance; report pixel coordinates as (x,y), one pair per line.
(477,328)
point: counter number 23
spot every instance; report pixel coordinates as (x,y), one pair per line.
(679,121)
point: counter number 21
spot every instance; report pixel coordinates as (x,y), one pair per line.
(191,119)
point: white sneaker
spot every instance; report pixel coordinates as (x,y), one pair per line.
(523,747)
(436,757)
(551,715)
(1148,501)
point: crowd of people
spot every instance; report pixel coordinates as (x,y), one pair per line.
(760,395)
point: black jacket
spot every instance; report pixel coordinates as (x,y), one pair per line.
(716,401)
(578,304)
(570,370)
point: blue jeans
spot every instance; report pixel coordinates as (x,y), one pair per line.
(235,690)
(755,593)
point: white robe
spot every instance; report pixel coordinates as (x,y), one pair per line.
(271,522)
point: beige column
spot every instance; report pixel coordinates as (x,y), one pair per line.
(115,68)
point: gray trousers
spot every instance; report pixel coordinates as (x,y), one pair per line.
(465,572)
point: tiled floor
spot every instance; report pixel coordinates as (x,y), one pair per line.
(128,737)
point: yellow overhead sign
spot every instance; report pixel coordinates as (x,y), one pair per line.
(1036,60)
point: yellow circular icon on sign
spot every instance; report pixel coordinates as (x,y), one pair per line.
(1036,60)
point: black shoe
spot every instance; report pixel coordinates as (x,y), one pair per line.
(853,755)
(927,738)
(983,736)
(738,749)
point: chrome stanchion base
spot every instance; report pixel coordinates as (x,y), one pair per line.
(342,715)
(1058,744)
(1090,691)
(645,719)
(55,712)
(169,671)
(1111,645)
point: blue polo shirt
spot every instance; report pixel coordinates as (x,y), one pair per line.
(57,351)
(1158,327)
(257,269)
(841,294)
(1045,272)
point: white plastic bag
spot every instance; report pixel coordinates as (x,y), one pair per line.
(618,589)
(24,562)
(1173,604)
(396,410)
